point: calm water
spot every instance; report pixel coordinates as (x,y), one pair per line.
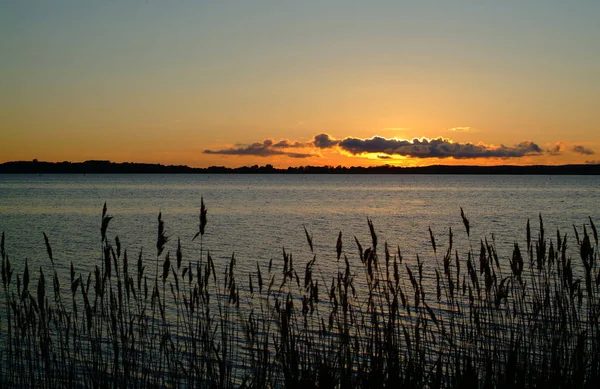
(255,216)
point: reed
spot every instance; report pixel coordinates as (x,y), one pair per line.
(477,321)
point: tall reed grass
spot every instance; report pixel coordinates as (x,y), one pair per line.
(527,321)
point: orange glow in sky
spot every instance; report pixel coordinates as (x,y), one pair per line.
(202,83)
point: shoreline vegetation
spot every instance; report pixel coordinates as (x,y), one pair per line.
(155,319)
(107,167)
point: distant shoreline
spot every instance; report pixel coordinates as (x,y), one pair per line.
(107,167)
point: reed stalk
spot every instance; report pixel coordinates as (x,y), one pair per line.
(445,319)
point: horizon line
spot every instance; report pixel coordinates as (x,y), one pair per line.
(106,166)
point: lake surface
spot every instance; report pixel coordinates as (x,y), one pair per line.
(256,216)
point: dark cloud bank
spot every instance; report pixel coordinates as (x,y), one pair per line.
(560,147)
(265,149)
(582,150)
(386,148)
(427,148)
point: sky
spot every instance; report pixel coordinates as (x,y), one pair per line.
(291,83)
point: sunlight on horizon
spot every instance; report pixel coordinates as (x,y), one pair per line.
(161,83)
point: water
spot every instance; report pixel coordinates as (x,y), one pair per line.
(256,216)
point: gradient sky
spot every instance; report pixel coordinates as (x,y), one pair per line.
(300,83)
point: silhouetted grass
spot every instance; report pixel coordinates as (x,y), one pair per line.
(531,320)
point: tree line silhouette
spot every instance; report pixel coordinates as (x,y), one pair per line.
(108,167)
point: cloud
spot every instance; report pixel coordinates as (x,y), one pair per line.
(558,148)
(427,148)
(324,141)
(564,145)
(387,148)
(462,129)
(284,144)
(265,149)
(579,149)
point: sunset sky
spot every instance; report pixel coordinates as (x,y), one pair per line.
(295,83)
